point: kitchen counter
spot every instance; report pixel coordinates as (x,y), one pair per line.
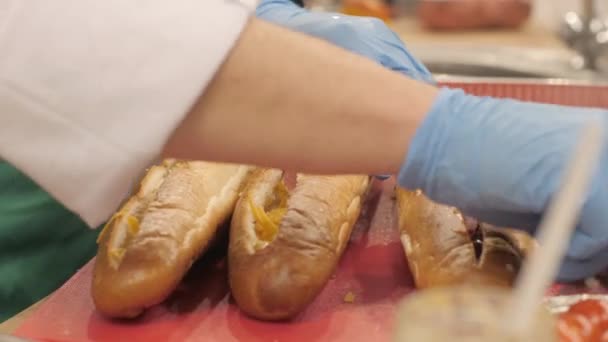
(530,35)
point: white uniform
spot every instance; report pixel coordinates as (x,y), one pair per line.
(90,90)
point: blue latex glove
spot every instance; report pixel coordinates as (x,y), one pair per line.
(502,160)
(368,37)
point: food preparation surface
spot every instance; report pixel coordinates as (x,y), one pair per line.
(357,304)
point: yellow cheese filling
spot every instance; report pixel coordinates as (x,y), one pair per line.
(267,221)
(117,253)
(132,225)
(115,256)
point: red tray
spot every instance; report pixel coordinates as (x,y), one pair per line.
(373,268)
(562,92)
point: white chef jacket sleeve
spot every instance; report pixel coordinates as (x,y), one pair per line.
(91,90)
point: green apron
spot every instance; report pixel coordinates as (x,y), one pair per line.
(42,244)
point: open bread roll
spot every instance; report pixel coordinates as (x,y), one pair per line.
(441,249)
(285,245)
(150,243)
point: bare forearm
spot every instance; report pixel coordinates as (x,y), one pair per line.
(286,100)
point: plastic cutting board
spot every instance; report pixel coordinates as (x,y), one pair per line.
(373,268)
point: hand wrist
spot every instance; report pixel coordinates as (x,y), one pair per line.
(431,141)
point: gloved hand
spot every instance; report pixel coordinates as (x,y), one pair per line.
(502,160)
(368,37)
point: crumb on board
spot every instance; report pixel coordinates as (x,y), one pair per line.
(394,194)
(349,297)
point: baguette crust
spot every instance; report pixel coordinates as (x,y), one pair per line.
(278,279)
(151,242)
(441,252)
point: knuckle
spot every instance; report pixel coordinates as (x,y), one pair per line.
(347,28)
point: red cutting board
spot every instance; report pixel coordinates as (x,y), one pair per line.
(559,92)
(373,269)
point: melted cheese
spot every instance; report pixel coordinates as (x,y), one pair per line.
(132,225)
(267,223)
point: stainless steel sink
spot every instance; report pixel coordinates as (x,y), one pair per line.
(503,62)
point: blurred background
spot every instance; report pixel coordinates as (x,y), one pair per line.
(565,39)
(547,12)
